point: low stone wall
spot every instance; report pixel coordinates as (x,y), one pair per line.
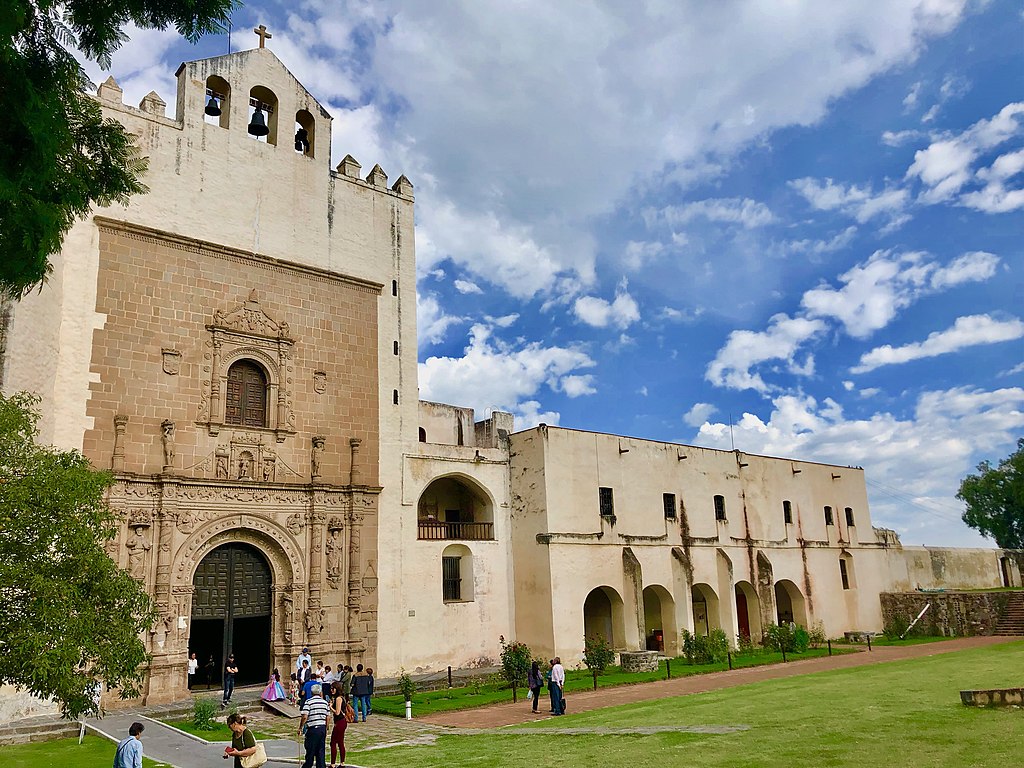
(953,614)
(996,697)
(639,661)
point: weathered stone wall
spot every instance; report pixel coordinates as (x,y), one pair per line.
(953,614)
(639,661)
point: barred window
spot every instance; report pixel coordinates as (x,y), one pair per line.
(246,401)
(829,520)
(668,500)
(607,502)
(787,512)
(720,508)
(451,577)
(849,518)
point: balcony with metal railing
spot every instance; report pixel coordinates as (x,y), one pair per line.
(440,530)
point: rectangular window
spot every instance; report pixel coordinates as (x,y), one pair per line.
(828,516)
(669,502)
(719,507)
(849,518)
(787,512)
(451,578)
(607,502)
(844,574)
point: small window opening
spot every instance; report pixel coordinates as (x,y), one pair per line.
(606,501)
(787,512)
(396,347)
(668,501)
(849,518)
(423,435)
(829,520)
(460,438)
(844,573)
(720,508)
(394,396)
(394,287)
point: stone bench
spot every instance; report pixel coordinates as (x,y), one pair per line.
(858,636)
(994,697)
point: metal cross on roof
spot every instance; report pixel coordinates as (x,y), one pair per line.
(263,35)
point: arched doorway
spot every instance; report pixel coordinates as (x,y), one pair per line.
(705,610)
(603,616)
(748,611)
(659,620)
(789,602)
(231,612)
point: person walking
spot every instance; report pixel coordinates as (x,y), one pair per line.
(339,710)
(230,670)
(557,686)
(361,692)
(193,668)
(536,682)
(209,668)
(129,750)
(551,687)
(243,742)
(369,697)
(314,725)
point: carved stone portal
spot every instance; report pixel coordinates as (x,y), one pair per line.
(137,545)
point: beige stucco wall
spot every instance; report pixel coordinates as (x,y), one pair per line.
(943,568)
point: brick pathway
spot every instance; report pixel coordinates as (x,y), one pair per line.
(499,715)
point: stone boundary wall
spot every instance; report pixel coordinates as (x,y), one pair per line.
(953,614)
(639,661)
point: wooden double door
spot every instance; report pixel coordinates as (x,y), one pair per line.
(231,614)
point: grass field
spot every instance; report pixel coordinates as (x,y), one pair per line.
(92,753)
(904,713)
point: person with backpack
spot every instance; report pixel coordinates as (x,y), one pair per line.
(536,682)
(361,692)
(342,714)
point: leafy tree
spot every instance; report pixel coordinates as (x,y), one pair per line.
(516,659)
(995,500)
(69,617)
(597,655)
(58,156)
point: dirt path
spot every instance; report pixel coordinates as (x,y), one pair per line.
(582,701)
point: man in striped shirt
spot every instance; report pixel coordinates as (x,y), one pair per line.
(314,725)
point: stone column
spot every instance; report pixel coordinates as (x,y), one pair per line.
(355,520)
(215,382)
(167,517)
(120,426)
(354,444)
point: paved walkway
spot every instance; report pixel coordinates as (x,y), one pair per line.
(499,715)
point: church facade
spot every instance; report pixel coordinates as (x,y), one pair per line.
(239,347)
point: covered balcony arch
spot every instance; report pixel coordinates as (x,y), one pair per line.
(455,507)
(603,616)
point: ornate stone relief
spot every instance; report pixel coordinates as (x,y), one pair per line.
(172,361)
(137,545)
(295,523)
(316,457)
(314,622)
(248,332)
(334,549)
(369,579)
(319,382)
(167,438)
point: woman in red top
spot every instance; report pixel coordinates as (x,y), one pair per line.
(339,708)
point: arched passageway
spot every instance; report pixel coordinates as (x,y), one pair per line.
(660,620)
(232,612)
(789,602)
(748,611)
(706,615)
(603,616)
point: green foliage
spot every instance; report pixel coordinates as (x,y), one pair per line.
(69,616)
(516,658)
(816,634)
(204,713)
(995,500)
(406,685)
(791,638)
(705,649)
(597,655)
(745,645)
(58,156)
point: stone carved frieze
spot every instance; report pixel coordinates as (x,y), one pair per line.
(295,523)
(314,622)
(250,529)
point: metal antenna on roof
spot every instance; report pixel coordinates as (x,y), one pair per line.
(229,35)
(732,438)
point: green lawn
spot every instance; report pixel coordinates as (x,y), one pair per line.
(904,713)
(220,731)
(428,702)
(94,751)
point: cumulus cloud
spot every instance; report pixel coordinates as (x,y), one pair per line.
(969,331)
(619,313)
(699,414)
(809,247)
(743,350)
(494,374)
(899,138)
(575,386)
(920,457)
(467,286)
(432,321)
(858,202)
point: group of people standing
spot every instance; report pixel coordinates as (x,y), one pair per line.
(555,678)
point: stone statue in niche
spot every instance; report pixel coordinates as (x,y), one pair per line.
(289,617)
(316,456)
(333,552)
(314,621)
(245,467)
(137,547)
(222,464)
(168,440)
(269,468)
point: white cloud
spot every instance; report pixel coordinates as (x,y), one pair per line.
(745,349)
(467,286)
(913,95)
(620,313)
(495,374)
(921,457)
(819,247)
(575,386)
(899,138)
(698,414)
(1019,368)
(874,291)
(994,197)
(732,210)
(638,254)
(432,321)
(953,87)
(858,202)
(966,332)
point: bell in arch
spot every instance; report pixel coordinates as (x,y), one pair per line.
(302,140)
(212,107)
(258,124)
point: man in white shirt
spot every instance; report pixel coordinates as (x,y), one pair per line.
(314,724)
(557,686)
(303,657)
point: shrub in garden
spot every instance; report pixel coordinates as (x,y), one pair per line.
(701,649)
(791,638)
(597,655)
(204,712)
(516,658)
(406,685)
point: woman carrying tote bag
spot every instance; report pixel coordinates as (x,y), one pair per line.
(248,752)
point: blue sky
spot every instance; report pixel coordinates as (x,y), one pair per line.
(660,218)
